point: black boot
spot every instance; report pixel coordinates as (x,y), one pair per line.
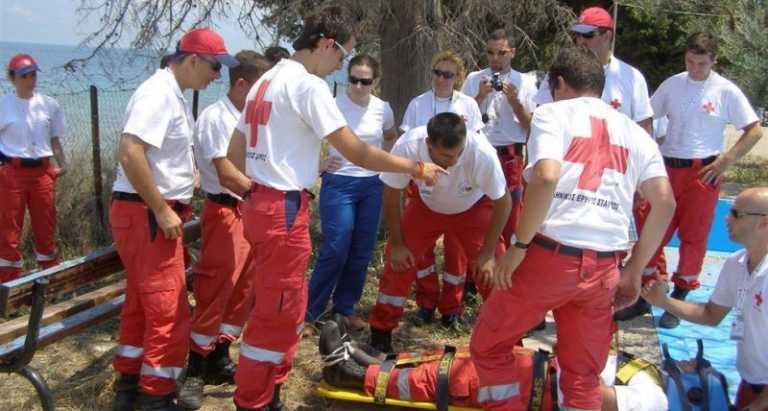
(126,393)
(276,404)
(382,340)
(638,309)
(668,320)
(158,403)
(219,367)
(191,393)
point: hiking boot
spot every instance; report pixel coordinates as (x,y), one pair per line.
(668,320)
(423,317)
(126,393)
(638,309)
(219,367)
(276,404)
(191,393)
(451,322)
(158,403)
(382,340)
(345,374)
(469,296)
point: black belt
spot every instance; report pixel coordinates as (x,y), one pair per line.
(176,205)
(672,162)
(223,199)
(756,388)
(568,250)
(515,148)
(23,162)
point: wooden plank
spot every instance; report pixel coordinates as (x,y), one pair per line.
(57,312)
(68,326)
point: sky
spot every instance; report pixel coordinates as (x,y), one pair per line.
(57,22)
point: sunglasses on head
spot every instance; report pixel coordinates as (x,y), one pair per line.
(736,214)
(358,80)
(215,64)
(444,74)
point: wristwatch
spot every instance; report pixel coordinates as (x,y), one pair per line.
(518,244)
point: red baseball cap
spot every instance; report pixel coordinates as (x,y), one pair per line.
(591,19)
(207,41)
(22,64)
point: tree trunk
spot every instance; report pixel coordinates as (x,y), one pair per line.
(408,42)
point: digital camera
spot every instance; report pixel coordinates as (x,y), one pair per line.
(496,82)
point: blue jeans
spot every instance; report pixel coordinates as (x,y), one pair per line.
(350,208)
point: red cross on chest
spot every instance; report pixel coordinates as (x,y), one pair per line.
(709,107)
(257,112)
(759,299)
(597,154)
(615,103)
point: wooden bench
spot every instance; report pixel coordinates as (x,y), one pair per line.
(98,273)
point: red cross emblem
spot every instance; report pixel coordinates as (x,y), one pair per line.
(759,299)
(615,103)
(709,107)
(597,154)
(257,112)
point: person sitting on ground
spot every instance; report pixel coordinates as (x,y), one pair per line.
(356,366)
(741,286)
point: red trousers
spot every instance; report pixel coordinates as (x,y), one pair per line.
(512,163)
(745,395)
(640,210)
(696,202)
(419,383)
(421,227)
(155,320)
(33,189)
(580,292)
(276,225)
(428,292)
(222,280)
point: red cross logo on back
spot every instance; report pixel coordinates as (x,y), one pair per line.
(709,107)
(615,103)
(597,154)
(257,112)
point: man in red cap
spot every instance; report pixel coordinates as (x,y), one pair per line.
(150,202)
(586,163)
(31,125)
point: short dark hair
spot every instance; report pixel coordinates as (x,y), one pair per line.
(252,66)
(580,68)
(276,53)
(446,130)
(501,34)
(330,22)
(364,60)
(702,43)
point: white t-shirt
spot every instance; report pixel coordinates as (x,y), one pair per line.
(477,173)
(212,134)
(158,115)
(369,123)
(503,127)
(27,125)
(752,357)
(425,106)
(287,113)
(591,210)
(698,112)
(625,90)
(641,393)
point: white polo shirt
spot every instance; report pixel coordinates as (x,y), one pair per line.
(213,131)
(425,106)
(735,279)
(698,112)
(369,123)
(604,156)
(27,125)
(158,115)
(503,127)
(625,90)
(477,173)
(287,113)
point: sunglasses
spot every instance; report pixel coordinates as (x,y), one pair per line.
(344,51)
(588,35)
(736,214)
(444,74)
(215,64)
(31,74)
(357,80)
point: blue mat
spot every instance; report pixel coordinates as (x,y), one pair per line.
(718,348)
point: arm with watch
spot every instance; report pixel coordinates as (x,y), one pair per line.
(538,197)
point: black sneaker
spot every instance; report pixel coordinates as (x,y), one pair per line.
(668,320)
(638,309)
(191,393)
(452,322)
(423,317)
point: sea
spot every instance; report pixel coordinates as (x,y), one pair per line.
(68,72)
